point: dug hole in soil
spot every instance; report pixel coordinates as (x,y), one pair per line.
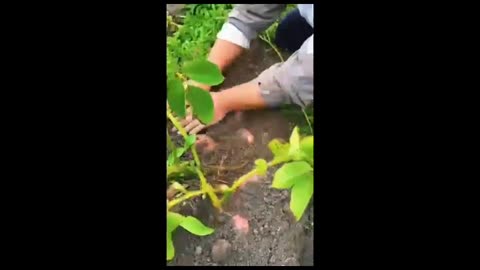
(257,227)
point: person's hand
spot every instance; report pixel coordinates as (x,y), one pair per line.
(193,126)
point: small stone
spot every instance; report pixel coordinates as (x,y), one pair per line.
(273,259)
(198,250)
(285,193)
(288,262)
(194,211)
(272,233)
(291,262)
(175,9)
(221,250)
(255,231)
(221,218)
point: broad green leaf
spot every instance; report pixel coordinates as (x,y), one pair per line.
(171,159)
(294,142)
(173,221)
(302,192)
(201,102)
(261,166)
(195,226)
(278,148)
(176,96)
(203,71)
(179,151)
(291,173)
(190,140)
(170,247)
(306,145)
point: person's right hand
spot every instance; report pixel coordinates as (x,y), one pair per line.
(193,125)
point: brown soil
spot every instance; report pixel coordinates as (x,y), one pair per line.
(273,236)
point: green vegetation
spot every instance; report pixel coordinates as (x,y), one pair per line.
(187,49)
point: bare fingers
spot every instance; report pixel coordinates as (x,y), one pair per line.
(194,127)
(189,118)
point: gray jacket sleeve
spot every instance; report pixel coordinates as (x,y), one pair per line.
(291,81)
(283,83)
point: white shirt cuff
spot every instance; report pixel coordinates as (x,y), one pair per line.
(231,34)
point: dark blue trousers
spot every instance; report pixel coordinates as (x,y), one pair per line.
(292,31)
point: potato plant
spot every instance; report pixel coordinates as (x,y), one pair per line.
(191,40)
(297,172)
(296,156)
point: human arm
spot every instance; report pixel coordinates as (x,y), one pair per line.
(242,26)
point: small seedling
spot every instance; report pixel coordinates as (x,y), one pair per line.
(296,175)
(189,223)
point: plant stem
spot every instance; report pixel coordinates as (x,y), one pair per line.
(308,120)
(187,196)
(242,179)
(204,184)
(181,76)
(209,190)
(273,46)
(172,147)
(183,132)
(251,174)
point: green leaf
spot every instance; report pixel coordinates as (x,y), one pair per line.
(190,140)
(173,221)
(306,145)
(290,173)
(302,192)
(171,159)
(179,187)
(279,149)
(170,247)
(179,151)
(176,96)
(195,226)
(203,71)
(261,166)
(294,142)
(201,102)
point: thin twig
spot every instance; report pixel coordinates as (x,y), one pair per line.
(273,46)
(308,120)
